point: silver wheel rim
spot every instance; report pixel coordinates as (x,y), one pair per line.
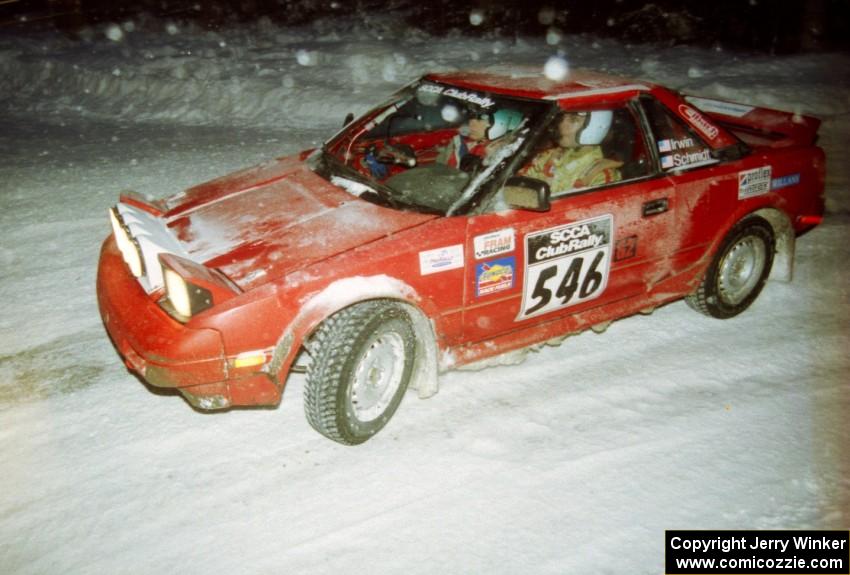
(377,376)
(741,269)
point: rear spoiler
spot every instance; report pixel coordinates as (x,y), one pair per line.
(775,127)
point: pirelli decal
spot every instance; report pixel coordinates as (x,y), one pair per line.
(566,265)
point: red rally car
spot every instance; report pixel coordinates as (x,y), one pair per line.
(470,215)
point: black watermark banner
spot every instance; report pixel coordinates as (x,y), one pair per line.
(757,552)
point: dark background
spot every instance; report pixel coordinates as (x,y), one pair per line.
(773,26)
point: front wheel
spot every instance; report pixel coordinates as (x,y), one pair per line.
(362,363)
(737,272)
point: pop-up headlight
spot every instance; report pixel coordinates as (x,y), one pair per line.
(191,288)
(128,246)
(187,299)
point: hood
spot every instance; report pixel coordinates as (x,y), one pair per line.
(267,221)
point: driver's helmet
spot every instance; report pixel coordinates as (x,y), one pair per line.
(596,126)
(504,121)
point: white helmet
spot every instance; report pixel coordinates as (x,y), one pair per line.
(504,121)
(596,126)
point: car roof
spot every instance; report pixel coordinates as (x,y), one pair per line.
(579,84)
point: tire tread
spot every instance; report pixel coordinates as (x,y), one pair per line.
(331,346)
(703,300)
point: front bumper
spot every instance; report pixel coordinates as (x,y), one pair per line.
(166,353)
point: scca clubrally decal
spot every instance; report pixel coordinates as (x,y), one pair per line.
(566,265)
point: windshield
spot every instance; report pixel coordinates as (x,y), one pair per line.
(430,148)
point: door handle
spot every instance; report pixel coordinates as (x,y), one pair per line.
(654,207)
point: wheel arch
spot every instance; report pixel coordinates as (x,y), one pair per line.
(346,292)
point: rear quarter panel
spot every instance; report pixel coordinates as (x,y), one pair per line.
(788,179)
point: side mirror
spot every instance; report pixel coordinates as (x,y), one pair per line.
(527,193)
(349,117)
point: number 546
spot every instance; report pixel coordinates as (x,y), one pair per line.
(578,278)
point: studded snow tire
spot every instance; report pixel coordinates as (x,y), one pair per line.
(362,362)
(738,271)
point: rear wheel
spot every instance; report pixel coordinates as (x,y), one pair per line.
(362,363)
(738,271)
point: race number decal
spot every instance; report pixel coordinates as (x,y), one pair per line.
(566,265)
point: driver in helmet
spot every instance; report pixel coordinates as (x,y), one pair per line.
(577,160)
(477,135)
(470,139)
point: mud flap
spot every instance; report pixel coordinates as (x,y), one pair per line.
(425,378)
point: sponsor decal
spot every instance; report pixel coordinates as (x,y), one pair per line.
(755,182)
(720,107)
(686,159)
(625,248)
(784,181)
(494,276)
(494,243)
(566,265)
(441,259)
(673,145)
(471,97)
(699,121)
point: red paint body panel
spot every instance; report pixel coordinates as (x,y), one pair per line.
(529,83)
(251,229)
(300,248)
(147,336)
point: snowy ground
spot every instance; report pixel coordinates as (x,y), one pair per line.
(573,462)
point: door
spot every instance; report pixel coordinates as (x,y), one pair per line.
(587,251)
(602,243)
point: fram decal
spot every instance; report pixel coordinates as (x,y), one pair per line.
(494,243)
(699,121)
(784,181)
(441,259)
(494,276)
(755,182)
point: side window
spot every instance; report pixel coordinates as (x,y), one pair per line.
(679,148)
(589,148)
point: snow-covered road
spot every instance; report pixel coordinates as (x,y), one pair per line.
(575,461)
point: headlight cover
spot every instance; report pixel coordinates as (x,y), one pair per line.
(191,288)
(186,299)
